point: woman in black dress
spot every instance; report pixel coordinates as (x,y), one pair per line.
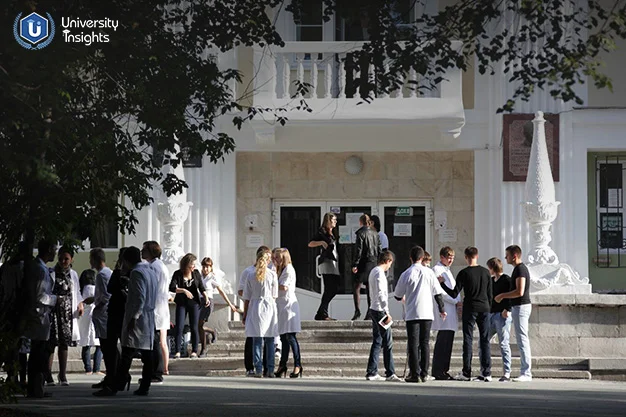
(187,284)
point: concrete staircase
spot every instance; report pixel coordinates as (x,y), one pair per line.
(341,349)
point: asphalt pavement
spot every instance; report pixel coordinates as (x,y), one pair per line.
(215,396)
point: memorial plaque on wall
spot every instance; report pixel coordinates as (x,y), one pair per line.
(517,132)
(189,161)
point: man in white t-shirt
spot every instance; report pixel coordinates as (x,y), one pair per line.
(420,286)
(379,311)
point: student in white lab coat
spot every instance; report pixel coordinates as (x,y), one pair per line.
(288,313)
(259,314)
(85,324)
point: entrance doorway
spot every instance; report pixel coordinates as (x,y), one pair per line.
(406,223)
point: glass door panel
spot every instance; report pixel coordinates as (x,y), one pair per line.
(297,224)
(347,224)
(406,225)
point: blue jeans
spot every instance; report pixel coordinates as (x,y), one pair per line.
(97,359)
(257,348)
(380,337)
(502,327)
(482,320)
(289,340)
(521,314)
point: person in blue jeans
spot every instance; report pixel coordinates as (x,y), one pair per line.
(521,309)
(500,318)
(259,314)
(379,309)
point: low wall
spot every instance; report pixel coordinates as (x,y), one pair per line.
(584,326)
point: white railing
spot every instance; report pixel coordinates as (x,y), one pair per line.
(323,66)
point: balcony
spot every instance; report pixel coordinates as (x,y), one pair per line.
(332,99)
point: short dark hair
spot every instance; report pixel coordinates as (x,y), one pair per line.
(153,248)
(132,255)
(365,220)
(514,250)
(207,262)
(471,252)
(385,256)
(446,251)
(416,254)
(45,246)
(376,222)
(66,249)
(495,265)
(97,254)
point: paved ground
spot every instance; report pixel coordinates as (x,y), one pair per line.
(198,396)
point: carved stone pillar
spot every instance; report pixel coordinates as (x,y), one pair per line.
(548,275)
(172,212)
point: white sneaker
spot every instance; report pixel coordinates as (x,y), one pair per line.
(374,378)
(523,378)
(394,378)
(461,377)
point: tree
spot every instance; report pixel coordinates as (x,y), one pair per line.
(79,123)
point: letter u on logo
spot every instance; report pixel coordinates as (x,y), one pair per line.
(31,32)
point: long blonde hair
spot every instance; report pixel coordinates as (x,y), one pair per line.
(262,260)
(285,259)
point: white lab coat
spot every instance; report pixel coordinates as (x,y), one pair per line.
(142,294)
(162,308)
(261,319)
(452,321)
(287,303)
(85,324)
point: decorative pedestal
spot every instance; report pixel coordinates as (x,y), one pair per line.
(547,274)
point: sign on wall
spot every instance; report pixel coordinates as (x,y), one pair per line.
(517,132)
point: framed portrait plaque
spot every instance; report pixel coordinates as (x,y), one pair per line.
(517,132)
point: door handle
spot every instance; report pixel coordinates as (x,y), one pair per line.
(317,267)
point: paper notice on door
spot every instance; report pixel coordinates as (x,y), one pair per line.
(402,229)
(614,197)
(345,234)
(352,219)
(353,233)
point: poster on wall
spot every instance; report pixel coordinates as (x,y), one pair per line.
(517,133)
(352,219)
(345,234)
(402,229)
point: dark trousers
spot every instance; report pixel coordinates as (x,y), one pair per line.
(126,360)
(248,355)
(418,335)
(193,309)
(157,357)
(380,338)
(289,340)
(442,353)
(483,322)
(97,358)
(37,366)
(331,287)
(111,357)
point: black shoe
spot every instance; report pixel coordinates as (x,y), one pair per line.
(142,392)
(298,374)
(414,379)
(99,385)
(154,380)
(105,392)
(282,371)
(357,314)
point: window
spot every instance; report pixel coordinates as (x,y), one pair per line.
(105,236)
(611,232)
(310,26)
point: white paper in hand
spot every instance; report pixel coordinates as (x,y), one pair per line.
(383,324)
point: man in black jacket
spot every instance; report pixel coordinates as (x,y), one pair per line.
(365,259)
(476,281)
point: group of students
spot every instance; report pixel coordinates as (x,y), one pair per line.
(491,301)
(128,305)
(271,309)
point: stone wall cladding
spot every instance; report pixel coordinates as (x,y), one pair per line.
(444,178)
